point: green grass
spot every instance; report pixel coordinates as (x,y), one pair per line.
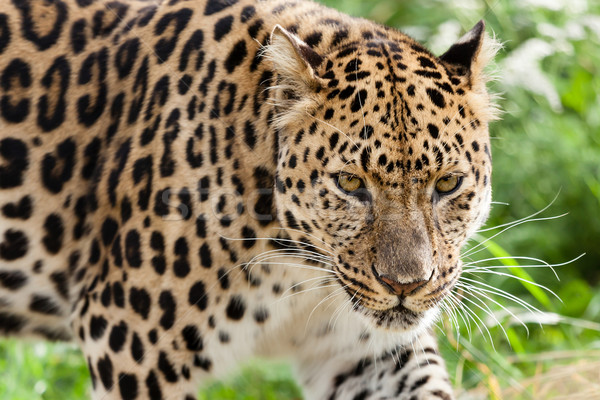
(258,380)
(547,143)
(38,370)
(30,370)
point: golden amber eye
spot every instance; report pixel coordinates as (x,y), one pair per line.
(349,183)
(447,184)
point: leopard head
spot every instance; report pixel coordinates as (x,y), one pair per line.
(384,161)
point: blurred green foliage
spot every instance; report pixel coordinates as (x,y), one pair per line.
(546,146)
(30,370)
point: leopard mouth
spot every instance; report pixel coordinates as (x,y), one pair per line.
(397,318)
(401,309)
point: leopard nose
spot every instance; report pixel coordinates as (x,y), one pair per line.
(399,288)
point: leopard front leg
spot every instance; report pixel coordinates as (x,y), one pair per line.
(129,358)
(403,373)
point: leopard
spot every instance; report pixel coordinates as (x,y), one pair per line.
(186,185)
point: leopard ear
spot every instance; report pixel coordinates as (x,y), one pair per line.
(467,59)
(297,84)
(471,53)
(293,60)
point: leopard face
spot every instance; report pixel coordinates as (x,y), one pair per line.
(384,162)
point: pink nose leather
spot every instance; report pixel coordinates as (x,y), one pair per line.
(401,288)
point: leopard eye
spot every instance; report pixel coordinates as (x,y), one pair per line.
(448,184)
(349,183)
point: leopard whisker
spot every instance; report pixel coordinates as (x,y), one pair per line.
(250,267)
(328,279)
(285,253)
(521,219)
(392,355)
(479,292)
(449,310)
(519,222)
(476,318)
(283,240)
(330,296)
(456,312)
(484,271)
(486,308)
(472,316)
(446,310)
(502,293)
(513,258)
(469,266)
(306,257)
(453,306)
(341,308)
(295,253)
(462,313)
(355,305)
(304,233)
(412,344)
(484,293)
(338,309)
(301,266)
(344,288)
(370,346)
(395,349)
(324,280)
(289,251)
(471,284)
(473,265)
(472,250)
(422,349)
(338,313)
(304,291)
(293,250)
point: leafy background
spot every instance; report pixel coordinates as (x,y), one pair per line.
(547,147)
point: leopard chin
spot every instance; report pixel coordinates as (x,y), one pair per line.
(398,318)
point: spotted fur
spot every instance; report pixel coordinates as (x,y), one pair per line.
(170,192)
